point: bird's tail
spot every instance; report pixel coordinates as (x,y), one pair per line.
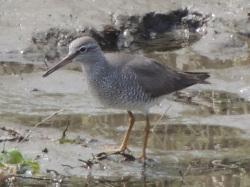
(200,76)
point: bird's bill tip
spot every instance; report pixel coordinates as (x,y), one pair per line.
(62,63)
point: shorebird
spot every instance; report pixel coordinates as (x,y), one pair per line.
(125,81)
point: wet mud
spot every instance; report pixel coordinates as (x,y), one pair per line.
(200,136)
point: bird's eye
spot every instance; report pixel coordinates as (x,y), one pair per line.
(83,49)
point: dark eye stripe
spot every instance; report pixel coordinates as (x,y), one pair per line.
(83,49)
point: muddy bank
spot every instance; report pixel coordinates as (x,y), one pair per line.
(216,32)
(200,136)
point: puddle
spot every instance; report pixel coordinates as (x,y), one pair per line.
(182,154)
(200,136)
(217,179)
(226,103)
(213,102)
(192,130)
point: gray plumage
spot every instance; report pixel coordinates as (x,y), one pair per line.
(127,81)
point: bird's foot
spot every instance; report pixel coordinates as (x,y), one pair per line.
(105,155)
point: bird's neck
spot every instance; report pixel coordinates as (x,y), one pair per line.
(96,66)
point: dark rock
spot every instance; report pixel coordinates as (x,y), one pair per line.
(157,31)
(152,31)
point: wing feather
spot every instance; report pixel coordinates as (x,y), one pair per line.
(154,78)
(158,80)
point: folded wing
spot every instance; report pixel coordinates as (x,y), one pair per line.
(158,80)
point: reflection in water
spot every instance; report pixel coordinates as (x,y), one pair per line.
(216,102)
(170,140)
(167,135)
(195,137)
(215,180)
(227,103)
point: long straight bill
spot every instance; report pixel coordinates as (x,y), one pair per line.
(68,59)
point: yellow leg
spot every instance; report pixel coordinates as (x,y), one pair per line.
(124,145)
(145,142)
(131,121)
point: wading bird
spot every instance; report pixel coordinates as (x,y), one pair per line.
(129,82)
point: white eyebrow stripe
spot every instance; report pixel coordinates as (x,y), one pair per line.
(88,46)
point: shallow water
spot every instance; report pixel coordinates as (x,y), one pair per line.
(200,136)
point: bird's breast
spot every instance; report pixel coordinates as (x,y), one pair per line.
(118,90)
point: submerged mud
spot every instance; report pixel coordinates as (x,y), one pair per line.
(200,136)
(201,131)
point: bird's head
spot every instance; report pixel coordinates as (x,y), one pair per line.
(84,50)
